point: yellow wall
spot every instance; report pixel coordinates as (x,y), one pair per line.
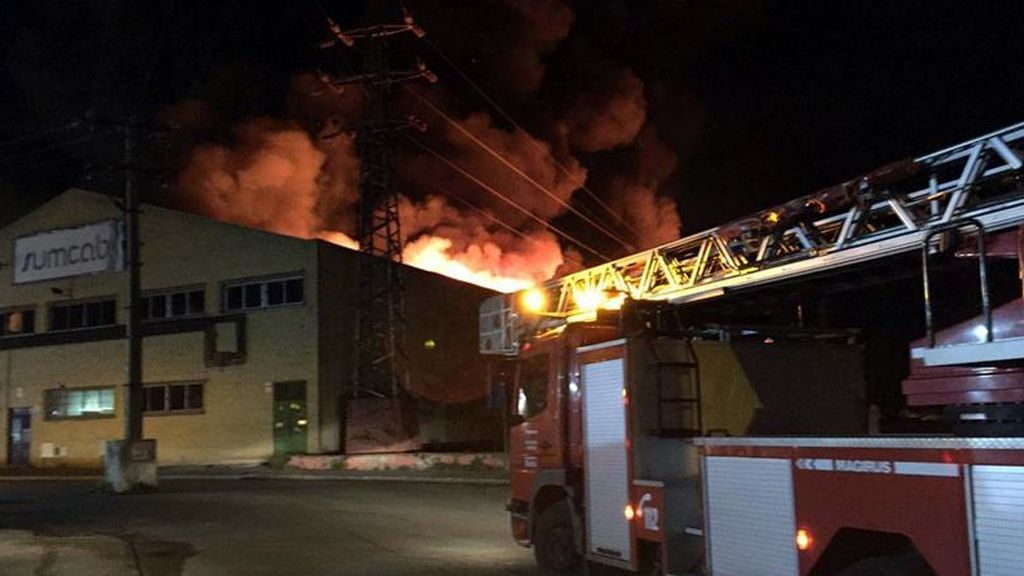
(179,250)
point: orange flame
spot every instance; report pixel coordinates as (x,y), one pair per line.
(431,253)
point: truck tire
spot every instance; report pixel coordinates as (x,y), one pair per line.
(554,541)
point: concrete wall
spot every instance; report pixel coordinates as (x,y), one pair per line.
(179,250)
(447,376)
(336,310)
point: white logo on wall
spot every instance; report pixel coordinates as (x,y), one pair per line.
(89,249)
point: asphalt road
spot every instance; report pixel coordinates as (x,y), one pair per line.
(205,527)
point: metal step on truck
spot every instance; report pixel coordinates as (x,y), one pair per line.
(642,442)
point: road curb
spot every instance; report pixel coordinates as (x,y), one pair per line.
(302,477)
(48,478)
(310,477)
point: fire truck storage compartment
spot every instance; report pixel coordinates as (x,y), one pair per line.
(956,504)
(999,519)
(606,460)
(751,520)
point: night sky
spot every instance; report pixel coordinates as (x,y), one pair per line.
(762,101)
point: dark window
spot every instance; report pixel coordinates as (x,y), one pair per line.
(176,400)
(28,321)
(234,298)
(293,291)
(15,322)
(83,315)
(76,316)
(173,305)
(78,403)
(156,398)
(197,302)
(171,398)
(194,400)
(93,314)
(179,304)
(532,395)
(266,294)
(99,313)
(59,318)
(159,306)
(253,295)
(275,293)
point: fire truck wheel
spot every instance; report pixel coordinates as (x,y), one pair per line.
(554,544)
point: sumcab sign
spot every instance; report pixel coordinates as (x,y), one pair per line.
(89,249)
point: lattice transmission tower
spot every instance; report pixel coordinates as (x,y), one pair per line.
(379,368)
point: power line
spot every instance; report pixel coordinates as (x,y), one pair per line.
(37,166)
(504,161)
(39,133)
(25,154)
(486,214)
(503,197)
(497,156)
(508,118)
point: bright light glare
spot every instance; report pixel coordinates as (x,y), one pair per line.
(615,302)
(980,332)
(589,299)
(534,300)
(629,512)
(803,539)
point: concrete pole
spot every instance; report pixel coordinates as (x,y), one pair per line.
(131,462)
(133,390)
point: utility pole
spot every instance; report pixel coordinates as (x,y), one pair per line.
(133,402)
(130,463)
(379,368)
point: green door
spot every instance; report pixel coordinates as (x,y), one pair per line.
(290,420)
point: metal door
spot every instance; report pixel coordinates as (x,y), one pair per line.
(999,518)
(751,516)
(19,436)
(606,460)
(290,420)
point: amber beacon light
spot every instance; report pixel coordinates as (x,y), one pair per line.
(804,540)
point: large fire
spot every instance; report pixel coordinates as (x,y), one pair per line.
(484,223)
(432,253)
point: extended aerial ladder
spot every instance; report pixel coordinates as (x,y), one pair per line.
(889,211)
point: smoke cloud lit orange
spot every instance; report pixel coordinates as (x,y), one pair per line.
(300,176)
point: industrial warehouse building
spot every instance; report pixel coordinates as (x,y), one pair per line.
(248,340)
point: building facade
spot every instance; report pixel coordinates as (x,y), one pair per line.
(247,343)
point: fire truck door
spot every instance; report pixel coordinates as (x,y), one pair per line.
(606,461)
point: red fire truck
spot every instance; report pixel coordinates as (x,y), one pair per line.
(642,441)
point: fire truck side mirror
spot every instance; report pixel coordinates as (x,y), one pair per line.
(514,419)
